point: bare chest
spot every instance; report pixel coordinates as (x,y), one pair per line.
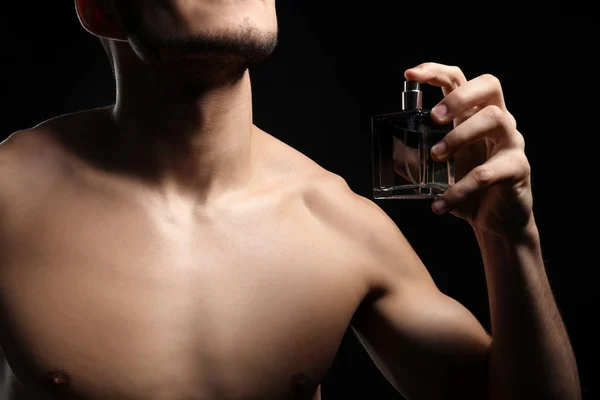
(131,303)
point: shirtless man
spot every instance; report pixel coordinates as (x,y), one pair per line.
(167,248)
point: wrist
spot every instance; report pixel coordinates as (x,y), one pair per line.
(504,251)
(526,234)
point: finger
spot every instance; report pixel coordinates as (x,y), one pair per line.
(507,166)
(444,76)
(479,92)
(490,122)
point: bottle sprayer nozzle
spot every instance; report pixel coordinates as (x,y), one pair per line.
(411,85)
(412,96)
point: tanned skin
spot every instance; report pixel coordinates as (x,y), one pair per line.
(167,248)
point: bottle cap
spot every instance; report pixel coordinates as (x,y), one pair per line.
(412,96)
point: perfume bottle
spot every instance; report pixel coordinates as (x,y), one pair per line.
(402,164)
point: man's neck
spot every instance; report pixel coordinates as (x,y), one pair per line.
(195,139)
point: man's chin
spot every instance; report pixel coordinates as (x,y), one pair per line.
(169,57)
(193,71)
(243,49)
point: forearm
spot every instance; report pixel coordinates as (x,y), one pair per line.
(531,357)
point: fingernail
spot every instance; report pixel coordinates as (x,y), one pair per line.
(439,206)
(440,110)
(440,149)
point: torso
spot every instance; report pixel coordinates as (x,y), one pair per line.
(108,294)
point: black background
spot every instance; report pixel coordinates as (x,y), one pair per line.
(339,63)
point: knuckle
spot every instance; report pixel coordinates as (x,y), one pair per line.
(494,114)
(482,175)
(519,140)
(513,120)
(455,75)
(492,80)
(524,164)
(527,169)
(458,98)
(424,65)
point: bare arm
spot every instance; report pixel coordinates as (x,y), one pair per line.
(425,343)
(431,347)
(429,344)
(531,356)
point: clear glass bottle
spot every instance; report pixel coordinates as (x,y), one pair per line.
(402,164)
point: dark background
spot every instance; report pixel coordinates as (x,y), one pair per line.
(338,64)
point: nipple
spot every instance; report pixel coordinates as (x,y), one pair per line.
(57,379)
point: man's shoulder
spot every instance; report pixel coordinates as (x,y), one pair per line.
(29,161)
(24,149)
(368,235)
(23,143)
(330,198)
(40,144)
(360,222)
(16,149)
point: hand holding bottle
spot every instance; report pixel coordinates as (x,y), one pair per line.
(493,185)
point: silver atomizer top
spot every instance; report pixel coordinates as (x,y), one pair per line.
(412,96)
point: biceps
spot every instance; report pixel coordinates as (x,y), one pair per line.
(426,344)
